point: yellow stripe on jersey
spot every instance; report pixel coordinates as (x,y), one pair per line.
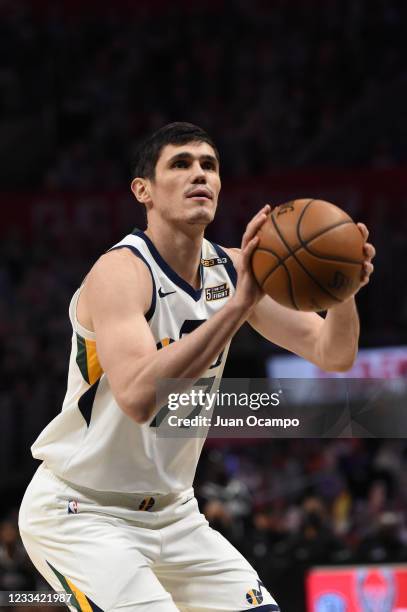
(94,369)
(87,359)
(164,342)
(80,597)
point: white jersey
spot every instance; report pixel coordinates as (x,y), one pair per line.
(92,443)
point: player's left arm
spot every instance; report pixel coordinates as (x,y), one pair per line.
(331,343)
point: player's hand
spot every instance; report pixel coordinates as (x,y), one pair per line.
(369,252)
(248,291)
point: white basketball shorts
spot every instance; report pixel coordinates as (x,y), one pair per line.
(134,553)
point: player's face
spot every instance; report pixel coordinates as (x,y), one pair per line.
(186,184)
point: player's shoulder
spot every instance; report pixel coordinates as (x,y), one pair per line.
(234,253)
(119,262)
(119,273)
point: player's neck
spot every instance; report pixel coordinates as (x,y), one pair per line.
(181,251)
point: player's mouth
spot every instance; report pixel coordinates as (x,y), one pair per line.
(199,193)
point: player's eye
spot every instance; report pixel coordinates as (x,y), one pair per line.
(208,165)
(180,163)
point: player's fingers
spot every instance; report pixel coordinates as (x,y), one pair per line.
(366,272)
(369,251)
(263,211)
(363,230)
(266,209)
(247,252)
(255,223)
(253,227)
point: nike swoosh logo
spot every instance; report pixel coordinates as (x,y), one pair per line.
(162,294)
(186,501)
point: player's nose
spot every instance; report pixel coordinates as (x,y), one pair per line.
(198,173)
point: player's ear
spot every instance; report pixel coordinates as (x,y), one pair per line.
(140,188)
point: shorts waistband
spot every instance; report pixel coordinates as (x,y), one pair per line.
(141,501)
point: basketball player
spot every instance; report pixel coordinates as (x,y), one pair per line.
(110,516)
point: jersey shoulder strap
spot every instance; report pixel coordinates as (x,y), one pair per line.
(221,258)
(136,247)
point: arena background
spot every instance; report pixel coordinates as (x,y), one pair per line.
(304,98)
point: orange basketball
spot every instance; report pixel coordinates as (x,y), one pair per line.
(310,255)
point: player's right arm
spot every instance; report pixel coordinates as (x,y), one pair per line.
(115,298)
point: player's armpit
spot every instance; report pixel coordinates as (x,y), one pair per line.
(117,294)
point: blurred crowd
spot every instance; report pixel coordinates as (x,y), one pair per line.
(78,88)
(36,283)
(292,505)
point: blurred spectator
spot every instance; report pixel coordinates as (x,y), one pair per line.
(15,567)
(314,543)
(385,543)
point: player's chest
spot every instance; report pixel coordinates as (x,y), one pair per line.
(177,312)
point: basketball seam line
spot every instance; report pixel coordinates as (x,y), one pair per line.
(281,260)
(290,286)
(300,263)
(308,204)
(305,244)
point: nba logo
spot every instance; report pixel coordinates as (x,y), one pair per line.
(73,507)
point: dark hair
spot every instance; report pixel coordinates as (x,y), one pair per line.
(177,133)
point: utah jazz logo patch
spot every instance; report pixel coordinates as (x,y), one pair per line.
(217,293)
(255,596)
(147,504)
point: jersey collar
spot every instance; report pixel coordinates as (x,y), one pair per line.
(168,271)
